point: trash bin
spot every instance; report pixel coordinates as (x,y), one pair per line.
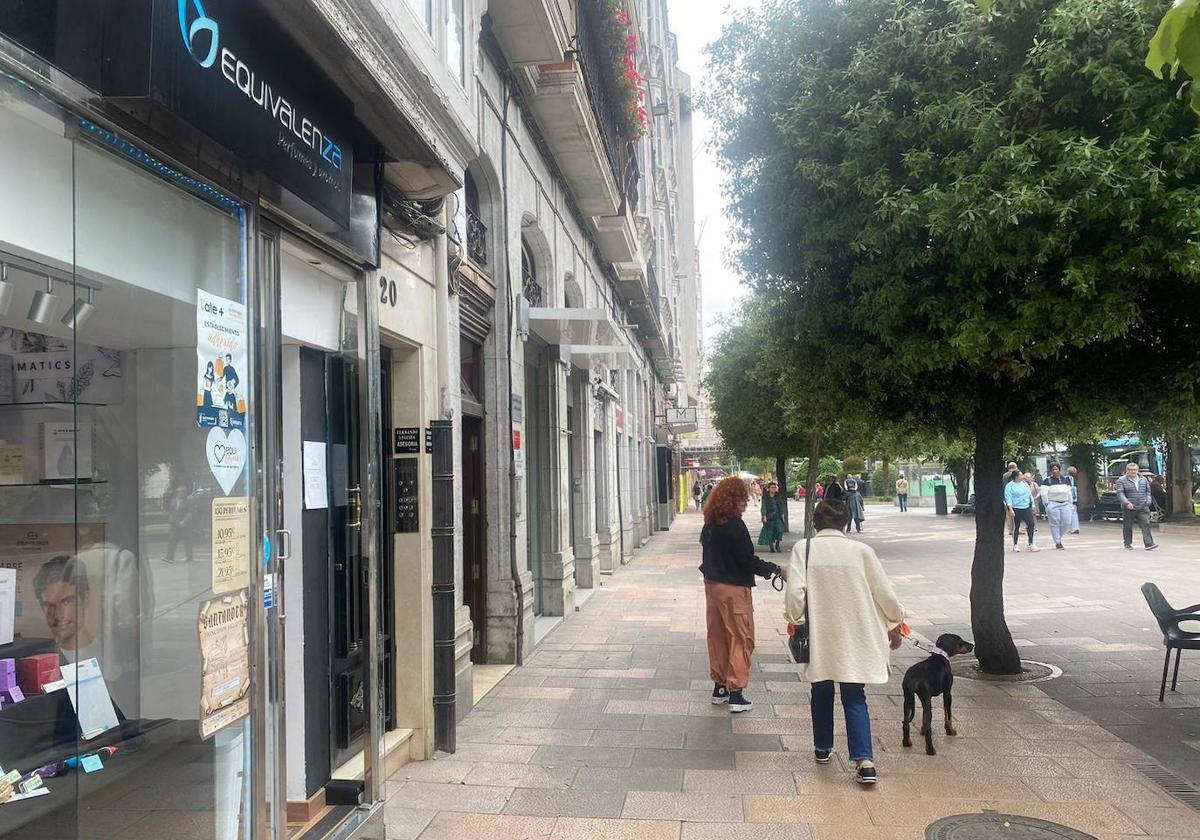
(939,500)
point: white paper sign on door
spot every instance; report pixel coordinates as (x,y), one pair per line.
(316,482)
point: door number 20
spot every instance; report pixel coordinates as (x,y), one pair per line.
(387,291)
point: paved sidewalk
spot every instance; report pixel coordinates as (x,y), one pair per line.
(607,733)
(1080,609)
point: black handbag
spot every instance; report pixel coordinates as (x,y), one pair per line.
(799,642)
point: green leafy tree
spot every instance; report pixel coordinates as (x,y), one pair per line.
(979,222)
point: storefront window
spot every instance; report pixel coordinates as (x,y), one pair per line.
(125,532)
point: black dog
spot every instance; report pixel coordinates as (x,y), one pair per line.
(927,680)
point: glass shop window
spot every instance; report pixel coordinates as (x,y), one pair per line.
(124,523)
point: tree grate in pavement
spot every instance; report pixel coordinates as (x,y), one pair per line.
(1031,672)
(1178,787)
(992,825)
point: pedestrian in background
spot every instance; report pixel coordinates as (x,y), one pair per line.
(697,492)
(833,490)
(1135,495)
(1018,498)
(1035,485)
(855,505)
(853,617)
(771,512)
(1056,494)
(729,566)
(707,492)
(1073,477)
(902,493)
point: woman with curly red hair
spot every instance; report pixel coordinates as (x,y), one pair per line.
(729,566)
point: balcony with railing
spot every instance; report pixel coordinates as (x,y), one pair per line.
(577,105)
(600,75)
(477,245)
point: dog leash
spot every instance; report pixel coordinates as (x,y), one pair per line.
(907,633)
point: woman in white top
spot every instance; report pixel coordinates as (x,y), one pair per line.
(853,618)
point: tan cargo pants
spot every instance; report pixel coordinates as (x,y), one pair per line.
(730,633)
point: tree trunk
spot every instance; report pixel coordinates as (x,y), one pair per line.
(810,484)
(994,646)
(960,471)
(781,477)
(1179,475)
(1083,459)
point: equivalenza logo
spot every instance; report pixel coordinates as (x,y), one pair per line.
(238,74)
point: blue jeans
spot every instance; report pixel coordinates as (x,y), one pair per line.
(858,720)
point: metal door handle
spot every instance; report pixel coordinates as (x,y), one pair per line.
(285,544)
(355,508)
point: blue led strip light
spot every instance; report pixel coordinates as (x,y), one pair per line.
(154,164)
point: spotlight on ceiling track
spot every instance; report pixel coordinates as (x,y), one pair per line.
(41,311)
(6,290)
(79,312)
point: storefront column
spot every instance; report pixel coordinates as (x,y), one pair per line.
(583,485)
(608,535)
(629,471)
(509,600)
(554,516)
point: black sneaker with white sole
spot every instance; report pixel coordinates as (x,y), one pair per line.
(739,703)
(823,756)
(720,694)
(865,774)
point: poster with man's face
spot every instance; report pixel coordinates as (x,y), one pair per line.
(59,600)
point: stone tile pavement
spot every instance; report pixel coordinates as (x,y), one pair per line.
(1080,609)
(606,733)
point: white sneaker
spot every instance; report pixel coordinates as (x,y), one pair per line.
(1017,549)
(1034,548)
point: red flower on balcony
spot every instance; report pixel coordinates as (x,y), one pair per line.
(622,43)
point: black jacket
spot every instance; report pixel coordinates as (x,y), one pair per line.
(729,554)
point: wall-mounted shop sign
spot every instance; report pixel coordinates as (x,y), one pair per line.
(226,68)
(222,66)
(407,440)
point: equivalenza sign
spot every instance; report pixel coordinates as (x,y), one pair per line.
(225,67)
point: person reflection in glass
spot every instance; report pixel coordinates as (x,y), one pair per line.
(61,588)
(210,379)
(231,383)
(179,519)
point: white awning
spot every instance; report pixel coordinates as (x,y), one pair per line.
(587,356)
(584,327)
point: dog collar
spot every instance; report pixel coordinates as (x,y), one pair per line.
(942,653)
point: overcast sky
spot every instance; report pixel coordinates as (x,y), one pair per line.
(698,22)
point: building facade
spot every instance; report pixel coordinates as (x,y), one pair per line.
(338,341)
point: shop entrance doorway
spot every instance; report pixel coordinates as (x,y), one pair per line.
(345,578)
(328,673)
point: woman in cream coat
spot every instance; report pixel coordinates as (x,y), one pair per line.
(854,618)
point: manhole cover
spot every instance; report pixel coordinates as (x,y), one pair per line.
(993,826)
(1032,672)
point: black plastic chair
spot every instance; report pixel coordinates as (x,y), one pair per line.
(1174,637)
